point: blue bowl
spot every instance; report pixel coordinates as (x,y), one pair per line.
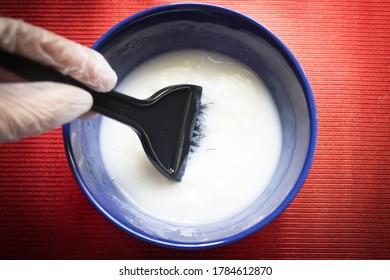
(198,26)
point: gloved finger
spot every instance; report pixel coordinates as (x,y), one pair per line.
(68,57)
(32,108)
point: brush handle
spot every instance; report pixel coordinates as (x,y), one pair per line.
(111,104)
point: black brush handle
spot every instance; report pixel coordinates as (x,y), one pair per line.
(26,68)
(111,104)
(123,108)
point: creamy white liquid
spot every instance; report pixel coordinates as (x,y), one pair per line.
(236,158)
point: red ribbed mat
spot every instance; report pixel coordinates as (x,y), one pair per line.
(343,209)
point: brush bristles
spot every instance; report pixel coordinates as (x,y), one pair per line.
(199,128)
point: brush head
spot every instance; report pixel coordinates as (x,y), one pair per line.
(177,109)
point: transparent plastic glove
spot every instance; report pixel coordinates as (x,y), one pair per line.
(28,108)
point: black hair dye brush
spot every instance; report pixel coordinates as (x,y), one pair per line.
(165,122)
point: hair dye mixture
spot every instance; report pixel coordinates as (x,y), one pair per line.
(234,161)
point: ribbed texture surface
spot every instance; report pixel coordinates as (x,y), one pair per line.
(343,209)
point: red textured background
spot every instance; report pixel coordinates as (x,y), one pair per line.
(343,209)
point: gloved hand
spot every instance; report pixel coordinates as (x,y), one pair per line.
(30,108)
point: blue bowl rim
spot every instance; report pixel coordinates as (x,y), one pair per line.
(294,64)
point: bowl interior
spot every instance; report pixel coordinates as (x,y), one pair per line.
(193,26)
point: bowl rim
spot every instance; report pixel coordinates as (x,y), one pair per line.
(309,96)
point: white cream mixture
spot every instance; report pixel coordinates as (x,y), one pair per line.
(236,158)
